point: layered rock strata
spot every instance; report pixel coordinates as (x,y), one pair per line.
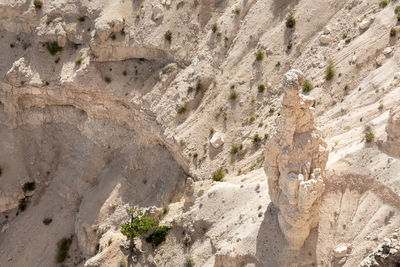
(296,157)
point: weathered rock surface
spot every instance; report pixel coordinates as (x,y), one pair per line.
(295,160)
(217,140)
(392,143)
(387,254)
(19,73)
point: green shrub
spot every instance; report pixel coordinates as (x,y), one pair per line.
(218,175)
(62,249)
(81,18)
(168,36)
(256,139)
(107,79)
(47,221)
(237,11)
(214,28)
(139,226)
(184,108)
(189,262)
(259,55)
(78,60)
(330,71)
(195,155)
(236,148)
(53,47)
(397,10)
(158,236)
(290,21)
(38,4)
(307,86)
(271,110)
(29,186)
(233,96)
(252,118)
(393,32)
(383,3)
(261,88)
(369,137)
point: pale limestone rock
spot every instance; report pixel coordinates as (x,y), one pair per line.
(217,140)
(157,13)
(392,143)
(365,24)
(52,32)
(295,159)
(326,30)
(104,26)
(388,50)
(324,39)
(380,60)
(397,75)
(189,193)
(19,73)
(340,251)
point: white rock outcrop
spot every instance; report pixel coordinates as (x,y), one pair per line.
(19,73)
(296,157)
(392,143)
(217,140)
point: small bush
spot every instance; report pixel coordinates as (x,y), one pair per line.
(397,10)
(53,48)
(384,3)
(38,4)
(271,110)
(189,262)
(81,18)
(107,79)
(261,88)
(307,86)
(29,186)
(233,96)
(22,204)
(252,118)
(168,36)
(218,175)
(47,221)
(290,21)
(184,108)
(259,55)
(195,155)
(62,249)
(393,32)
(236,148)
(256,139)
(158,236)
(237,11)
(330,71)
(78,60)
(369,137)
(214,28)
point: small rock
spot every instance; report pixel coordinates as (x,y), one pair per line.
(327,30)
(365,24)
(324,39)
(397,75)
(388,50)
(157,13)
(340,251)
(380,60)
(217,140)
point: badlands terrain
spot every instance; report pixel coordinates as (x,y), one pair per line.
(262,133)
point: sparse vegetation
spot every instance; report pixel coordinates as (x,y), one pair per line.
(233,96)
(63,248)
(168,36)
(369,137)
(252,118)
(184,108)
(107,79)
(37,4)
(29,186)
(23,203)
(383,3)
(81,18)
(260,214)
(158,236)
(307,86)
(380,106)
(259,55)
(53,48)
(290,21)
(236,148)
(47,221)
(189,262)
(214,28)
(397,10)
(261,88)
(393,32)
(271,110)
(218,175)
(330,71)
(78,60)
(256,139)
(237,11)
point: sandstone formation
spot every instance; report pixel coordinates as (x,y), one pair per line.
(296,157)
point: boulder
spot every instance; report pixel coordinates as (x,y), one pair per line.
(217,140)
(340,251)
(365,24)
(19,73)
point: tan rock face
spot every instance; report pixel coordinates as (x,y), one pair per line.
(296,157)
(392,144)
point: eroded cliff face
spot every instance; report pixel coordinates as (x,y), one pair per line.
(296,157)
